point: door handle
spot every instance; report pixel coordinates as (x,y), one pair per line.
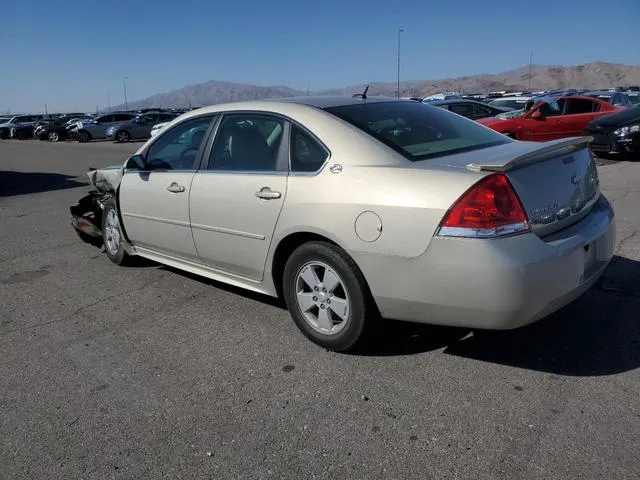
(175,188)
(265,193)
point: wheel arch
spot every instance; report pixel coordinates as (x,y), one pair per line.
(289,243)
(116,199)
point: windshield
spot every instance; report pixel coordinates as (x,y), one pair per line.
(511,114)
(552,102)
(418,131)
(552,106)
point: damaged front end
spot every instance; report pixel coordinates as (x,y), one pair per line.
(86,214)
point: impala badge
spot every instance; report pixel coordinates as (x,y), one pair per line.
(335,168)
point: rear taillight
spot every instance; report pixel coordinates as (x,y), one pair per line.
(490,208)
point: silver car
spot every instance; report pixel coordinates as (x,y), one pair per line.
(354,209)
(96,129)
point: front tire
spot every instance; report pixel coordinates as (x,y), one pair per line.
(83,136)
(54,136)
(4,134)
(112,235)
(327,296)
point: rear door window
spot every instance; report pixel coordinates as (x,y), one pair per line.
(479,112)
(464,109)
(247,142)
(578,106)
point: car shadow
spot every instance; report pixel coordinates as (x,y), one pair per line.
(23,183)
(258,297)
(598,334)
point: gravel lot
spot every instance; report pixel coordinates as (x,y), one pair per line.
(146,372)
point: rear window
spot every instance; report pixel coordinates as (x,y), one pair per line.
(419,131)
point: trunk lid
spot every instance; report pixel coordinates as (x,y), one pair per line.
(557,181)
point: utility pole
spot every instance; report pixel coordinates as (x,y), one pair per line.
(530,69)
(109,100)
(124,87)
(46,112)
(400,30)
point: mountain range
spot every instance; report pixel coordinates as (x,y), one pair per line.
(543,77)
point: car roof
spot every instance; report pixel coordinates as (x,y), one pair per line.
(336,101)
(600,92)
(457,100)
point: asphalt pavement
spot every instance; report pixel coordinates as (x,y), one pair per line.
(148,373)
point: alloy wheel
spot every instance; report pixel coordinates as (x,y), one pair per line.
(112,232)
(322,298)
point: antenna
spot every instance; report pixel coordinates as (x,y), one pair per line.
(362,95)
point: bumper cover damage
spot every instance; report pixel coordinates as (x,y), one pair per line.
(86,214)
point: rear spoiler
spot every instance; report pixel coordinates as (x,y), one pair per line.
(550,149)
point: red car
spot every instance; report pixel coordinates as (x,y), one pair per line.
(550,118)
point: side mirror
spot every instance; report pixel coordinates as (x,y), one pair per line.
(135,162)
(537,115)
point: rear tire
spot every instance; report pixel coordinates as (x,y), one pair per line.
(21,135)
(53,136)
(123,136)
(327,296)
(4,134)
(112,235)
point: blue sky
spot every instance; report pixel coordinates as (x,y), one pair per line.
(71,55)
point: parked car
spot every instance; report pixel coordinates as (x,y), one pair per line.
(274,200)
(96,129)
(550,118)
(55,130)
(616,133)
(512,103)
(617,99)
(138,128)
(16,123)
(469,108)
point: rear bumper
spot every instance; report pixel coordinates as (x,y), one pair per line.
(493,284)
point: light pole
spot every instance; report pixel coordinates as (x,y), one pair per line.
(398,85)
(530,69)
(109,100)
(124,87)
